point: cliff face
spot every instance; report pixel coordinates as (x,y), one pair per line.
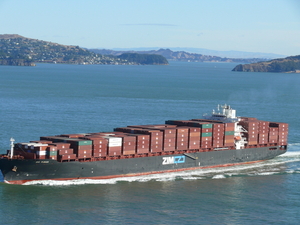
(285,65)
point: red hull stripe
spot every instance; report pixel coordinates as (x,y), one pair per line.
(133,174)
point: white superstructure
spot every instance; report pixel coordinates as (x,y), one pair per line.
(228,115)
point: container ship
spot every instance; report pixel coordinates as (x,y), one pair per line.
(216,140)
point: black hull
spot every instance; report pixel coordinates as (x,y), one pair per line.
(22,171)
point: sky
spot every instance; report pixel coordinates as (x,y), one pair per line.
(267,26)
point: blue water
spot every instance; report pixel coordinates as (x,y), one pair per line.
(56,99)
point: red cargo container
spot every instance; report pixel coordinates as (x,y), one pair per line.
(156,148)
(273,138)
(99,154)
(82,147)
(142,143)
(61,145)
(82,152)
(97,140)
(280,126)
(142,148)
(194,132)
(65,151)
(182,146)
(206,144)
(263,126)
(128,144)
(219,138)
(97,150)
(249,125)
(229,126)
(218,130)
(263,138)
(273,129)
(156,138)
(182,132)
(229,142)
(52,148)
(194,144)
(168,132)
(99,147)
(273,133)
(114,148)
(66,157)
(251,136)
(218,134)
(169,144)
(84,155)
(218,127)
(115,151)
(252,142)
(156,141)
(217,143)
(72,135)
(194,138)
(128,149)
(128,152)
(206,138)
(207,130)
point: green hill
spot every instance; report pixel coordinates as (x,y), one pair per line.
(18,50)
(285,65)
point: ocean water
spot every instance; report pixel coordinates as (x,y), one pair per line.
(58,99)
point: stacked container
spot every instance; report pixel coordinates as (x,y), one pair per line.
(263,132)
(182,138)
(64,152)
(194,137)
(273,135)
(82,148)
(169,138)
(252,126)
(114,145)
(128,144)
(175,135)
(142,143)
(229,134)
(218,135)
(156,139)
(206,135)
(52,152)
(99,148)
(282,132)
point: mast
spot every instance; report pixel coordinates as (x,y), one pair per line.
(12,147)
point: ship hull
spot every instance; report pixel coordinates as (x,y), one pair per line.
(22,171)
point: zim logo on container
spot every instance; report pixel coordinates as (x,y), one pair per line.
(173,160)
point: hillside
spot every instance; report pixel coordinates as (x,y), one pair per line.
(18,50)
(285,65)
(180,56)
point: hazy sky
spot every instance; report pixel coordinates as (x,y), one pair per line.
(269,26)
